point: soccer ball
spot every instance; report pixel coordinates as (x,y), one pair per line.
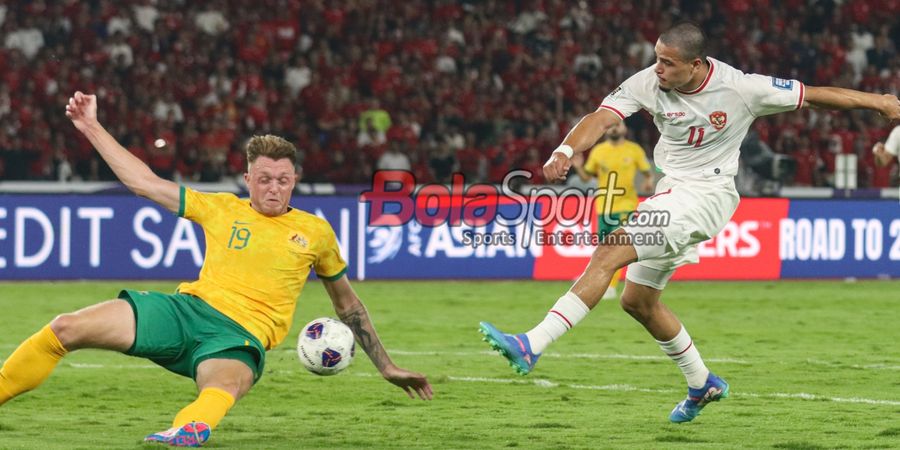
(326,346)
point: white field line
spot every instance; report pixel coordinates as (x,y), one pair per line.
(112,366)
(549,384)
(629,388)
(854,366)
(878,366)
(569,355)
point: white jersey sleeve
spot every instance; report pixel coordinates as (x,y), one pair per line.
(631,96)
(765,95)
(892,145)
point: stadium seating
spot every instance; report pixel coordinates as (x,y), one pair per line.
(477,87)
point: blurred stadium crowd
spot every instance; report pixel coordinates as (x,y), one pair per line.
(434,86)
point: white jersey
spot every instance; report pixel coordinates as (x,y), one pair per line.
(892,145)
(702,130)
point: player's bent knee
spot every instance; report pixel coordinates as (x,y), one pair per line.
(66,329)
(637,305)
(631,305)
(231,376)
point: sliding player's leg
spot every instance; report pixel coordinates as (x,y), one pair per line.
(222,357)
(221,382)
(109,325)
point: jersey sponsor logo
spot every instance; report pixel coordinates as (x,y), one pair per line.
(781,83)
(718,119)
(615,93)
(676,114)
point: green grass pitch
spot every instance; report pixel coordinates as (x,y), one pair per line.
(811,365)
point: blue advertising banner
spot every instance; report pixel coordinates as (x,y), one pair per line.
(834,238)
(121,237)
(494,250)
(46,237)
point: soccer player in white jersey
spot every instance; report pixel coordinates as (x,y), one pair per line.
(703,109)
(888,150)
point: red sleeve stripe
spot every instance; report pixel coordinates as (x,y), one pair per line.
(802,94)
(563,317)
(618,113)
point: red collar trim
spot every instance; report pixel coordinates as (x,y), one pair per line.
(705,81)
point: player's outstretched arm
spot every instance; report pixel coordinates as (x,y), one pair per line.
(580,138)
(353,313)
(840,98)
(134,174)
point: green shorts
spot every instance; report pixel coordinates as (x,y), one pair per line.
(612,223)
(179,331)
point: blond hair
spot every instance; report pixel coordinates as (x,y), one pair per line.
(270,146)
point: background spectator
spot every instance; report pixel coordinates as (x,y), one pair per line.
(490,85)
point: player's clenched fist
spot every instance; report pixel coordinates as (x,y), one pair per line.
(556,168)
(82,109)
(891,108)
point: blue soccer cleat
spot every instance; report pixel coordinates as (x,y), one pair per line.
(514,348)
(193,434)
(714,390)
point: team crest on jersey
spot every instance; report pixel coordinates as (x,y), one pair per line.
(299,240)
(718,119)
(781,83)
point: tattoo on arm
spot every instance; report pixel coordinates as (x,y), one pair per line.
(358,321)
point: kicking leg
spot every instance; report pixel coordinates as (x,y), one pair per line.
(523,350)
(108,325)
(221,383)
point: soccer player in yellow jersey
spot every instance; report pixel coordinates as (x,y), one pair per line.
(216,330)
(614,162)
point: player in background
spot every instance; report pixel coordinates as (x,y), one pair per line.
(614,163)
(216,330)
(703,109)
(885,152)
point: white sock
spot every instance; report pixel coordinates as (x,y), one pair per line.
(565,314)
(683,351)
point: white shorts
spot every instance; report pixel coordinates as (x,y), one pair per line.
(681,214)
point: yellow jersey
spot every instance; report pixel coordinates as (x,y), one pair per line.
(625,159)
(256,266)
